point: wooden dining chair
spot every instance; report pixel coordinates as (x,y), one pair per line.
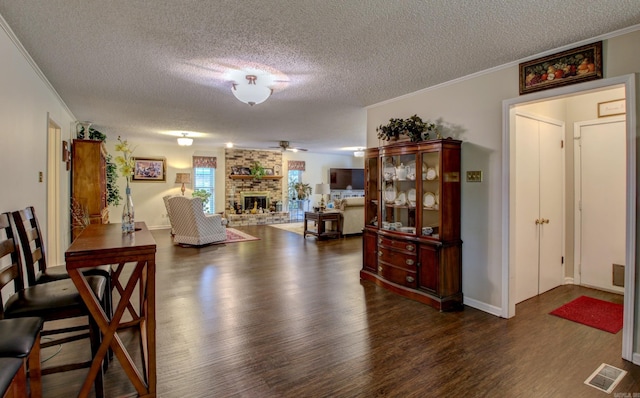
(13,379)
(20,338)
(53,301)
(38,271)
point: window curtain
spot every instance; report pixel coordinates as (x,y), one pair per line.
(296,165)
(205,162)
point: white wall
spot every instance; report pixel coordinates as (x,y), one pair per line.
(25,99)
(471,110)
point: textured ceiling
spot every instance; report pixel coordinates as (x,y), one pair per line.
(142,69)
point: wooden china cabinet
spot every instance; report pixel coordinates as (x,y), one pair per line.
(411,239)
(89,181)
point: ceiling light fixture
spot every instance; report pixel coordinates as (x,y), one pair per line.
(184,140)
(251,91)
(359,153)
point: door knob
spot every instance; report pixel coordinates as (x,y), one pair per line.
(545,221)
(538,221)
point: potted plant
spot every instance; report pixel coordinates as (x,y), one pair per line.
(413,127)
(204,197)
(299,190)
(257,171)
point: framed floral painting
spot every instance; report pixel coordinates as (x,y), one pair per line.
(577,65)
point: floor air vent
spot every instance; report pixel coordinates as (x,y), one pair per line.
(605,378)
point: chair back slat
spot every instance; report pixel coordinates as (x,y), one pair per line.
(29,232)
(10,271)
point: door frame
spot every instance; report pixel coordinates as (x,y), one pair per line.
(54,159)
(508,309)
(577,235)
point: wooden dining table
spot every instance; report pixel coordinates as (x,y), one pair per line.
(101,244)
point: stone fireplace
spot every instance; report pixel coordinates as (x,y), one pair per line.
(248,198)
(242,191)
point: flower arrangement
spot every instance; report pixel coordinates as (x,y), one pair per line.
(413,127)
(124,161)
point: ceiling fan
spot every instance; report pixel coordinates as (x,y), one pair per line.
(285,146)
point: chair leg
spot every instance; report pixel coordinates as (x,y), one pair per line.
(95,336)
(35,371)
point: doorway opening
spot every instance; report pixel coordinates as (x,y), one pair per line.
(627,83)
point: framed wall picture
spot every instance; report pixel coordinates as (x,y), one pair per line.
(612,108)
(577,65)
(149,169)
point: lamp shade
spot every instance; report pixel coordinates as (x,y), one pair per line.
(359,153)
(183,178)
(323,189)
(252,90)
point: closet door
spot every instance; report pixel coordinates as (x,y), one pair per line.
(539,207)
(551,209)
(527,209)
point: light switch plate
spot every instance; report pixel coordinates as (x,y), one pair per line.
(474,176)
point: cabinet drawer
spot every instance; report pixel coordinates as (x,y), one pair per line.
(397,275)
(398,258)
(397,244)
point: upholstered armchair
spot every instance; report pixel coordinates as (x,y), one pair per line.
(166,205)
(191,226)
(352,214)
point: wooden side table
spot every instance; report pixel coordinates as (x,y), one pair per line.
(321,218)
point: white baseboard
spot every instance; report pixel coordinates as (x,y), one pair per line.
(158,227)
(569,281)
(479,305)
(636,358)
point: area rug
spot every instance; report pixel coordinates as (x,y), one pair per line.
(296,227)
(233,236)
(593,312)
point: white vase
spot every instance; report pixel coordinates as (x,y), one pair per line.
(128,222)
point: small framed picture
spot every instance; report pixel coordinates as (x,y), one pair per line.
(612,108)
(268,172)
(149,169)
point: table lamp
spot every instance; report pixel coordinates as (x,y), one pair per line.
(322,189)
(184,178)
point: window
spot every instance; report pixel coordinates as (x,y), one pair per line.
(204,171)
(205,178)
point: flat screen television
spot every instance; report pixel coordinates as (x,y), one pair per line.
(345,178)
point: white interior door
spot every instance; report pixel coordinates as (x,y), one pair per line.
(539,225)
(527,207)
(601,169)
(551,206)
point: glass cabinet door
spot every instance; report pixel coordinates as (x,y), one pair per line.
(430,178)
(398,187)
(372,174)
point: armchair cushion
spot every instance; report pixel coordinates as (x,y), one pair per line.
(191,226)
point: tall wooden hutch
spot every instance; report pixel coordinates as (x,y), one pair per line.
(412,243)
(89,181)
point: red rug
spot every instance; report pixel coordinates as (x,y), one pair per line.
(596,313)
(233,236)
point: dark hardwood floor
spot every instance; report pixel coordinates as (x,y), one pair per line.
(288,317)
